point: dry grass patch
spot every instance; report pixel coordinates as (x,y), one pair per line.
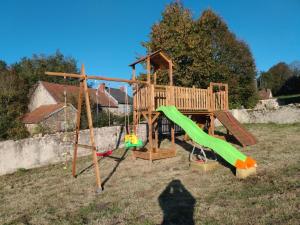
(139,193)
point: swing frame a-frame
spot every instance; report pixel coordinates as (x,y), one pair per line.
(84,93)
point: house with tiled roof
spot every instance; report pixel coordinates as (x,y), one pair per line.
(121,98)
(265,94)
(47,108)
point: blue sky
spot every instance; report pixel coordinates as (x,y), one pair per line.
(106,35)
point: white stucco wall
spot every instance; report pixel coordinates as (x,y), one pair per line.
(40,97)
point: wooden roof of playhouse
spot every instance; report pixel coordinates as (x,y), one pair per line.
(158,59)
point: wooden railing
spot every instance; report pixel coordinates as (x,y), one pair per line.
(185,99)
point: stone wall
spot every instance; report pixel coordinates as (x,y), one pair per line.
(39,151)
(271,103)
(56,122)
(282,115)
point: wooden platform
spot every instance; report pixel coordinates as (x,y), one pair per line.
(243,173)
(207,166)
(161,153)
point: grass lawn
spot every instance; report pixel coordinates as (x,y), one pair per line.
(288,96)
(288,99)
(139,193)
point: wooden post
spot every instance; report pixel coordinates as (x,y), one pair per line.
(170,73)
(173,135)
(156,135)
(172,101)
(211,130)
(135,112)
(148,71)
(149,109)
(79,106)
(226,97)
(92,138)
(154,77)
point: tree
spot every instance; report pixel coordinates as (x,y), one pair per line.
(173,35)
(225,59)
(33,69)
(12,95)
(276,77)
(204,50)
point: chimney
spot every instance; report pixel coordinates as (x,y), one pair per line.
(101,88)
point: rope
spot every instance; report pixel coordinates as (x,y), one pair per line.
(97,109)
(66,153)
(137,106)
(127,111)
(65,106)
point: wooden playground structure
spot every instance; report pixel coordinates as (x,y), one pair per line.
(202,105)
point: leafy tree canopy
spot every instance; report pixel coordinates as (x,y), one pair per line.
(279,78)
(204,50)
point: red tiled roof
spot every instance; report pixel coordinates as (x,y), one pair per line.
(41,113)
(57,92)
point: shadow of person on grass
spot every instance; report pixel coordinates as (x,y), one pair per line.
(177,204)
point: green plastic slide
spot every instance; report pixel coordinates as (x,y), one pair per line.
(222,148)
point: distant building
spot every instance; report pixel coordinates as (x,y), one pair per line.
(47,109)
(121,98)
(265,94)
(266,100)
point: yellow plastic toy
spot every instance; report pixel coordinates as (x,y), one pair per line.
(131,140)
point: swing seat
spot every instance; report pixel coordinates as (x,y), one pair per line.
(104,154)
(129,144)
(131,140)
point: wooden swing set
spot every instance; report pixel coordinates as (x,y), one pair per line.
(203,105)
(84,93)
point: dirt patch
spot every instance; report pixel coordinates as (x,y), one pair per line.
(166,192)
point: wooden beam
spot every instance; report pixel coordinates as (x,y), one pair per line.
(92,138)
(59,74)
(145,116)
(94,77)
(155,116)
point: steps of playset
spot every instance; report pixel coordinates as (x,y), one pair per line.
(205,166)
(236,128)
